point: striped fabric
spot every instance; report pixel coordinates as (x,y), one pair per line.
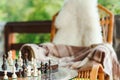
(75,57)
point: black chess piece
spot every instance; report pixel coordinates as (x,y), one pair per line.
(16,64)
(49,64)
(4,65)
(45,68)
(20,73)
(49,69)
(24,65)
(41,68)
(26,58)
(24,72)
(4,57)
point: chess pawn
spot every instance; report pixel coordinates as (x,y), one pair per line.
(24,72)
(32,61)
(5,75)
(35,70)
(41,67)
(14,76)
(26,58)
(28,70)
(10,60)
(39,73)
(20,73)
(16,64)
(20,60)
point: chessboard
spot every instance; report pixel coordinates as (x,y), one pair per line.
(23,68)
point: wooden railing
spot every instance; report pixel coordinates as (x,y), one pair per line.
(23,27)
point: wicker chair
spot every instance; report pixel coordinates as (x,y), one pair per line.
(94,71)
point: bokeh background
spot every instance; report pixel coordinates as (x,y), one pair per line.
(38,10)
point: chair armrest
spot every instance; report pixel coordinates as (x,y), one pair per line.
(91,71)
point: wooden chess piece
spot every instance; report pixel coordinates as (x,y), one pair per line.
(16,64)
(4,65)
(14,76)
(5,75)
(24,72)
(45,68)
(35,70)
(28,70)
(24,67)
(20,73)
(10,60)
(20,60)
(39,74)
(26,58)
(49,63)
(41,67)
(4,57)
(49,68)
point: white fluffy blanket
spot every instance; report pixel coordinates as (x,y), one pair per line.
(78,23)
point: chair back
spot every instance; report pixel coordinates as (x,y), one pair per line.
(106,21)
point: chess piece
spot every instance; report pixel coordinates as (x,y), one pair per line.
(14,76)
(39,74)
(24,73)
(24,67)
(5,75)
(45,68)
(35,70)
(41,68)
(49,63)
(4,65)
(10,60)
(32,61)
(16,64)
(49,68)
(4,57)
(20,60)
(39,71)
(20,73)
(28,70)
(26,58)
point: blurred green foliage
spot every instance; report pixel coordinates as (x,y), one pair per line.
(113,5)
(31,10)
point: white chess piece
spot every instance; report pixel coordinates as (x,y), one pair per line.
(39,74)
(5,75)
(28,70)
(20,60)
(10,60)
(14,76)
(35,70)
(32,61)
